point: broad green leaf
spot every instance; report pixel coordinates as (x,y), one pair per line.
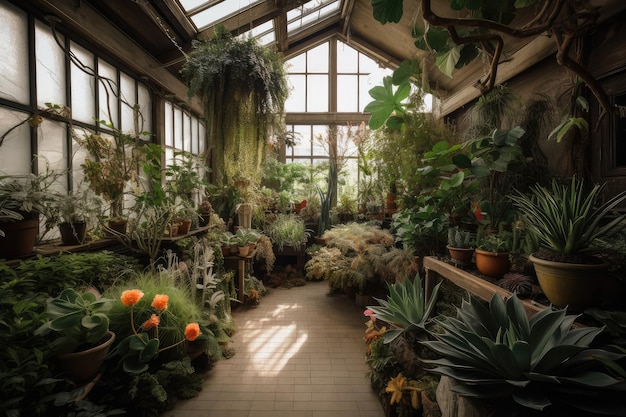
(447,60)
(437,39)
(387,10)
(406,70)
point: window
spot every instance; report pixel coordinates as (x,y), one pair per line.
(312,99)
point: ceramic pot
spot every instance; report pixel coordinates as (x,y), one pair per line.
(492,264)
(84,365)
(577,286)
(461,255)
(73,233)
(19,238)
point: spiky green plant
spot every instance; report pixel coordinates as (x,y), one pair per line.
(405,308)
(541,363)
(567,217)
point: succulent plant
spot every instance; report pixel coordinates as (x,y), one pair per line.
(405,308)
(541,363)
(517,283)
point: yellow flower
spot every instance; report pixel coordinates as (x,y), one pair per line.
(160,302)
(395,387)
(131,297)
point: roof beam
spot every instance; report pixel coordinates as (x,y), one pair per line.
(346,12)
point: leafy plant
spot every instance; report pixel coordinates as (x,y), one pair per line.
(81,319)
(405,308)
(421,228)
(567,218)
(541,363)
(496,242)
(463,239)
(287,230)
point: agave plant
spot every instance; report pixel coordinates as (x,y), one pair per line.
(567,217)
(405,308)
(541,362)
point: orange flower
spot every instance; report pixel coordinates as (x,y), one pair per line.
(192,331)
(152,322)
(160,302)
(130,297)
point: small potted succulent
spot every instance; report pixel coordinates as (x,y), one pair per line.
(82,323)
(492,254)
(461,245)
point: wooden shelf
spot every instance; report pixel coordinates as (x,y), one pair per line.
(436,269)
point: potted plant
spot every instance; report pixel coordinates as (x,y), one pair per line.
(244,239)
(288,230)
(492,254)
(23,199)
(75,210)
(84,337)
(346,208)
(461,245)
(112,162)
(565,219)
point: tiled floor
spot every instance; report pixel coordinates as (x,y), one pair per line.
(300,353)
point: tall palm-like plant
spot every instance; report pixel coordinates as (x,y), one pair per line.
(244,88)
(566,218)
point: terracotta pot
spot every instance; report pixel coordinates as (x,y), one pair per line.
(85,365)
(577,286)
(19,238)
(184,226)
(73,233)
(244,250)
(116,227)
(461,255)
(492,264)
(225,251)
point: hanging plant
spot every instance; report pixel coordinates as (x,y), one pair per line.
(243,86)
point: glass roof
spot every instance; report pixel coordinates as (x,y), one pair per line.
(205,14)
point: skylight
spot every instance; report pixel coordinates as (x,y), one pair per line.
(205,14)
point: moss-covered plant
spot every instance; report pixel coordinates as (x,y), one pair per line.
(243,87)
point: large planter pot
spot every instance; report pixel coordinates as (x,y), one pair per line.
(461,255)
(184,226)
(19,238)
(73,233)
(85,365)
(492,264)
(116,228)
(244,250)
(577,286)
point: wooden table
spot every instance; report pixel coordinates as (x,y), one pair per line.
(437,269)
(241,268)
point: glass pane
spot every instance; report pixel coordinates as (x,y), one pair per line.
(347,59)
(169,133)
(145,108)
(297,63)
(14,63)
(178,128)
(194,136)
(202,138)
(347,93)
(186,132)
(50,67)
(367,64)
(320,144)
(364,87)
(128,96)
(78,157)
(169,156)
(317,93)
(220,11)
(15,153)
(303,147)
(108,91)
(297,94)
(83,87)
(191,4)
(51,145)
(317,59)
